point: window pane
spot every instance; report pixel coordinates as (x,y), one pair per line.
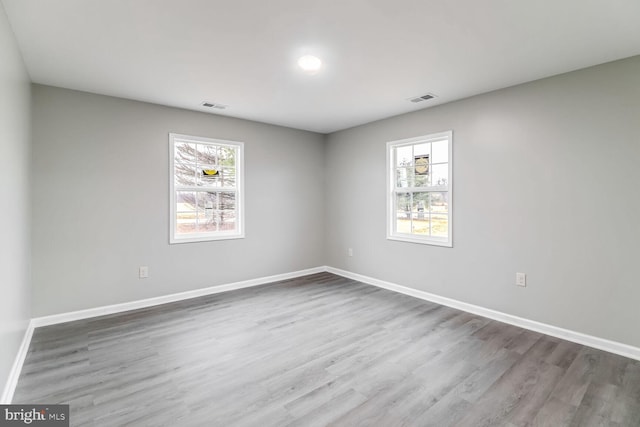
(185,201)
(439,226)
(422,178)
(186,225)
(440,174)
(206,225)
(185,152)
(404,177)
(403,212)
(410,177)
(404,156)
(227,201)
(227,220)
(207,155)
(208,177)
(420,213)
(421,163)
(227,156)
(186,212)
(403,204)
(420,224)
(228,177)
(420,204)
(403,225)
(185,173)
(422,150)
(207,203)
(439,202)
(440,152)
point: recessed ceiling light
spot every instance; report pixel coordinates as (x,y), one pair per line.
(310,64)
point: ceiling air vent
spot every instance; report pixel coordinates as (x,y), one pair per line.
(214,105)
(425,97)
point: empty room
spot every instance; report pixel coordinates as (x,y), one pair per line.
(320,213)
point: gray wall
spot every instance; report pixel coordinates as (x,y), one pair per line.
(15,288)
(101,203)
(546,182)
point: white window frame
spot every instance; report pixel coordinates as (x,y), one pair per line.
(239,232)
(393,189)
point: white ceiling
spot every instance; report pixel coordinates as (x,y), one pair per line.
(376,53)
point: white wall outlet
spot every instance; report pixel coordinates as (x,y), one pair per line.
(350,251)
(521,279)
(143,272)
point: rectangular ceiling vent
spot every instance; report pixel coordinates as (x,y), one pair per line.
(214,105)
(424,97)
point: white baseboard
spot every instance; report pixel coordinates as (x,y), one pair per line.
(149,302)
(14,374)
(577,337)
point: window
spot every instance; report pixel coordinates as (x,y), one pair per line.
(420,189)
(206,188)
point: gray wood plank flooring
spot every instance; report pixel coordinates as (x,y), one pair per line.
(322,350)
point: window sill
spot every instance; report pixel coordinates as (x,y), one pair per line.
(195,238)
(421,240)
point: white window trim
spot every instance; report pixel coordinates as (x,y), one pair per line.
(392,234)
(211,236)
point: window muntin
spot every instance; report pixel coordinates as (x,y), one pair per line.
(420,189)
(206,189)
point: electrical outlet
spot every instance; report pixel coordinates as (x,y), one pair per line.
(143,272)
(521,279)
(350,252)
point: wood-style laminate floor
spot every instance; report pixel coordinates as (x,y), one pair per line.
(322,350)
